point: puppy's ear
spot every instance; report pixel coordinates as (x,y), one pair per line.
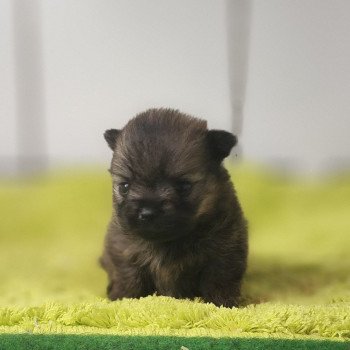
(220,143)
(111,137)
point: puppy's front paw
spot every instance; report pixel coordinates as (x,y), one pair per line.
(113,292)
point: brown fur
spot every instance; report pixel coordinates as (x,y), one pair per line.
(195,244)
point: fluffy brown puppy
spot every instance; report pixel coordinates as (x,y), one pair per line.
(177,228)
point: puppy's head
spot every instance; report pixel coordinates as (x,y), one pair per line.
(165,170)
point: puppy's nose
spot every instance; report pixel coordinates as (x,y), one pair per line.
(147,213)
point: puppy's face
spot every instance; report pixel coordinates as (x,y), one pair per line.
(163,172)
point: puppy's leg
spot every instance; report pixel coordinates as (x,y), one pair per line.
(223,294)
(129,282)
(221,285)
(126,281)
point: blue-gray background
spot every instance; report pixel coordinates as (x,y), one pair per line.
(71,69)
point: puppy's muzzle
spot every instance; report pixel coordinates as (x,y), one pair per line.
(147,213)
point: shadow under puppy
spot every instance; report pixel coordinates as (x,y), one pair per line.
(177,228)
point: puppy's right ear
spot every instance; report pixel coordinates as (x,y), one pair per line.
(111,137)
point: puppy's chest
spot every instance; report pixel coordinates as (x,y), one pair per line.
(174,271)
(170,271)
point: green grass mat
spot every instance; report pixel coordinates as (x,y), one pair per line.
(297,286)
(64,342)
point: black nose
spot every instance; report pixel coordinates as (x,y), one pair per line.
(147,213)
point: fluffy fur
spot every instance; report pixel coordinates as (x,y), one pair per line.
(177,228)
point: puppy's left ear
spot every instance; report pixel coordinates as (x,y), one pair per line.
(220,143)
(111,137)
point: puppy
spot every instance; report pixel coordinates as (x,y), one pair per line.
(177,228)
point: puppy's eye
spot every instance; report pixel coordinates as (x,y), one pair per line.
(184,187)
(124,188)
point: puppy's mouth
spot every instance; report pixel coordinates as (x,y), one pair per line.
(162,230)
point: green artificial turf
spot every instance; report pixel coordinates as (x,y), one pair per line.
(72,342)
(297,284)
